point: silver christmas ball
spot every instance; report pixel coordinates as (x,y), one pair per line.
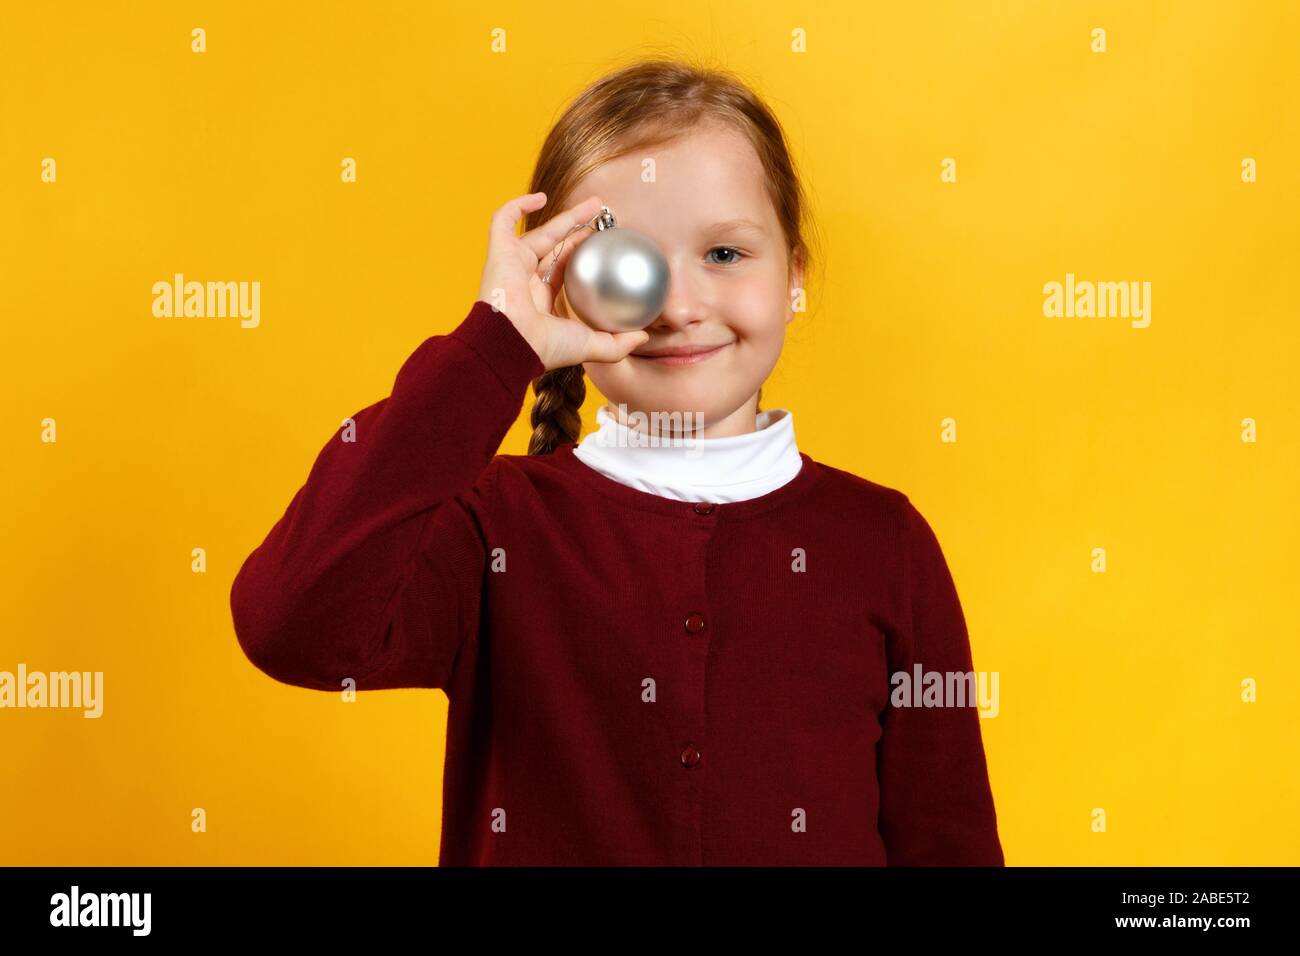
(616,280)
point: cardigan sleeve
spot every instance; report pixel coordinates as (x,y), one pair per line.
(375,569)
(936,804)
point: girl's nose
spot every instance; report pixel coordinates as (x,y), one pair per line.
(684,303)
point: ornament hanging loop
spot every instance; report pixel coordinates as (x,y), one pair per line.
(601,221)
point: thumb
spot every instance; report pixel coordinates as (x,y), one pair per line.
(614,346)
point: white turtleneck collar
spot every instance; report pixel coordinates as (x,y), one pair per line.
(733,468)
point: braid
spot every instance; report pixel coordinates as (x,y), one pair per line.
(556,415)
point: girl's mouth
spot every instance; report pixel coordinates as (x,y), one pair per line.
(685,355)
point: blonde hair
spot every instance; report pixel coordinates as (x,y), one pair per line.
(650,102)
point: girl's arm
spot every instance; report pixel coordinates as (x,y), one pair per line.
(375,569)
(936,806)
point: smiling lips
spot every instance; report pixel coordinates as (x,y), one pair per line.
(680,354)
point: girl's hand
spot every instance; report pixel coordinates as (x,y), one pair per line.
(515,267)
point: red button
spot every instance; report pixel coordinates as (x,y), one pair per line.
(695,623)
(703,508)
(690,757)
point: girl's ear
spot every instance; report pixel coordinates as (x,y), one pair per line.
(796,272)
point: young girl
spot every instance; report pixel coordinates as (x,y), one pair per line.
(656,651)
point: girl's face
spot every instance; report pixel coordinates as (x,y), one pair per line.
(730,279)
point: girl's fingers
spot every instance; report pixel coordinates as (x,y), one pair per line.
(558,265)
(555,265)
(543,240)
(505,220)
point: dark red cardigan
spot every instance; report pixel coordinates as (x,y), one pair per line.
(631,679)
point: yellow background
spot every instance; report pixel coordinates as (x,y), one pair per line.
(1118,690)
